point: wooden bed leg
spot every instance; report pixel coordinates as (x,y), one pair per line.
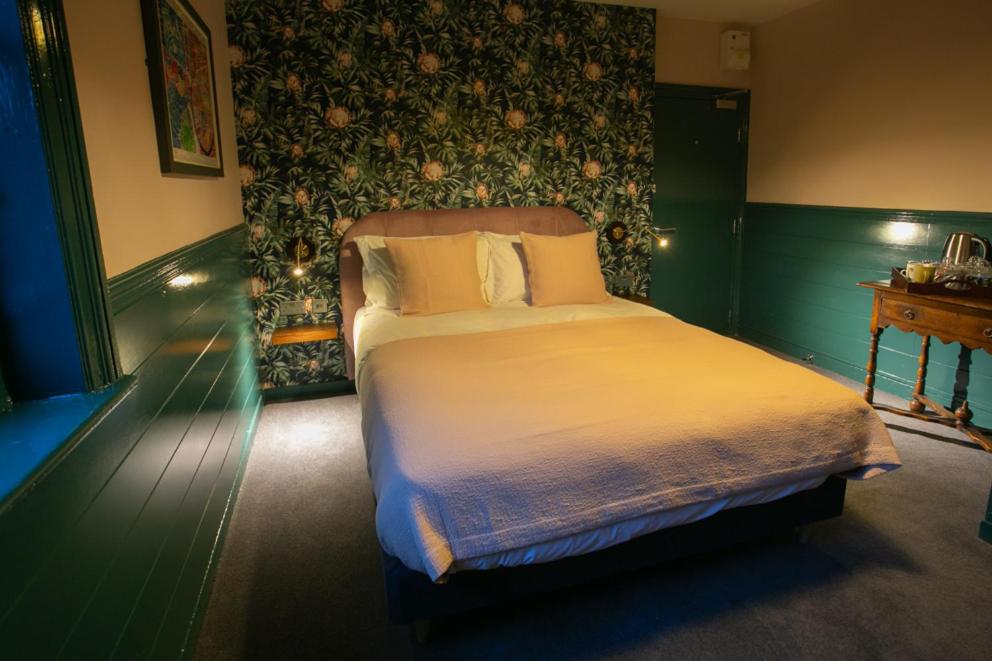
(422,631)
(803,533)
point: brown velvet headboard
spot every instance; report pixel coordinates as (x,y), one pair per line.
(536,220)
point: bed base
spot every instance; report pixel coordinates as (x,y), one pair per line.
(413,599)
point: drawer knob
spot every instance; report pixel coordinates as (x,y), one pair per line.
(987,333)
(909,314)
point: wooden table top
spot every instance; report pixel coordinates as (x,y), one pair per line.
(984,304)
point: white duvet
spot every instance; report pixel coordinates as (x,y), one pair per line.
(399,470)
(375,326)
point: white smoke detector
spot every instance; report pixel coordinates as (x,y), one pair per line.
(735,50)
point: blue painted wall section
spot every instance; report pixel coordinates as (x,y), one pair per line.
(799,294)
(109,553)
(39,349)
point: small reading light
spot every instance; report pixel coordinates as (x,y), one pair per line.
(301,252)
(663,235)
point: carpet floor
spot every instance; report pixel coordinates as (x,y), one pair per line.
(901,575)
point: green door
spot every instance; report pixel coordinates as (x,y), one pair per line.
(700,161)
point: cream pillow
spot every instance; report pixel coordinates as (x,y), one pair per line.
(437,274)
(379,275)
(506,280)
(564,269)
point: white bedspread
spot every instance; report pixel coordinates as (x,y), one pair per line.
(375,326)
(541,438)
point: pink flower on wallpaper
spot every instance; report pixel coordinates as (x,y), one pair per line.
(432,171)
(592,169)
(516,119)
(429,63)
(337,117)
(514,14)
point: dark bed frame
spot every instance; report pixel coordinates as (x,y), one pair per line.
(411,596)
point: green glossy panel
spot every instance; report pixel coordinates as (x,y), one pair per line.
(799,270)
(110,540)
(187,277)
(698,190)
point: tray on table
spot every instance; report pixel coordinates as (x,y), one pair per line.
(900,282)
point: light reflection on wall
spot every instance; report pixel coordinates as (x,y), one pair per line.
(902,232)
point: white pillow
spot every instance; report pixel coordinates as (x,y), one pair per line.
(507,278)
(379,280)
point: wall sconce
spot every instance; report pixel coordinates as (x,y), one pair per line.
(302,252)
(663,235)
(616,232)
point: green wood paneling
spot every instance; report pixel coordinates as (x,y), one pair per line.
(183,276)
(800,266)
(113,545)
(61,131)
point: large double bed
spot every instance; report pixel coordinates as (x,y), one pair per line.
(518,448)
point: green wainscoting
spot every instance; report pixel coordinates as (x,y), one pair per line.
(800,266)
(109,552)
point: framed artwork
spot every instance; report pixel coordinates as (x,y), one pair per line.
(184,93)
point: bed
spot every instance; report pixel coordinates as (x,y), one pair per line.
(519,449)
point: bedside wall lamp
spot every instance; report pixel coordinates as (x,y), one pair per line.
(663,235)
(301,251)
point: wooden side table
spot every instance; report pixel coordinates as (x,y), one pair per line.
(951,319)
(305,333)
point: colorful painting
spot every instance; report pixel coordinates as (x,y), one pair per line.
(345,107)
(183,92)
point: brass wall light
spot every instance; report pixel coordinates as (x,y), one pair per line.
(663,235)
(302,252)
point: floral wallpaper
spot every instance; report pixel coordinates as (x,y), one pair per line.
(345,107)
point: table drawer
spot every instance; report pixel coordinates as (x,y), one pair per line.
(977,328)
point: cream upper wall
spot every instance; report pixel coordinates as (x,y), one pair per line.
(874,103)
(141,213)
(688,52)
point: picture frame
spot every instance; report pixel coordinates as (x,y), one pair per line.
(183,88)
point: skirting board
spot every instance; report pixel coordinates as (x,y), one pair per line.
(308,391)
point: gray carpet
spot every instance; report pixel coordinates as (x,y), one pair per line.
(902,575)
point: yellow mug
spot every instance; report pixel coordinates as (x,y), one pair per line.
(920,272)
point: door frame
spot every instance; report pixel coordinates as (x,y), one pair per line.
(743,97)
(46,43)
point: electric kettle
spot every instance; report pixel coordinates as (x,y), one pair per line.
(962,246)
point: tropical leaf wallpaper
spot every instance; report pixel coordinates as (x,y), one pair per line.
(345,107)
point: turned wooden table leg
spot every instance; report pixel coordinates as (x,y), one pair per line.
(963,412)
(921,377)
(872,365)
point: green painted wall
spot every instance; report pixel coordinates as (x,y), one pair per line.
(109,552)
(800,267)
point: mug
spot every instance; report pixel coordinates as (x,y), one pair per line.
(919,272)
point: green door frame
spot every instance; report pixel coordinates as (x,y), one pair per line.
(50,62)
(743,98)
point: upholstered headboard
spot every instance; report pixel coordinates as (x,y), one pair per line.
(536,220)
